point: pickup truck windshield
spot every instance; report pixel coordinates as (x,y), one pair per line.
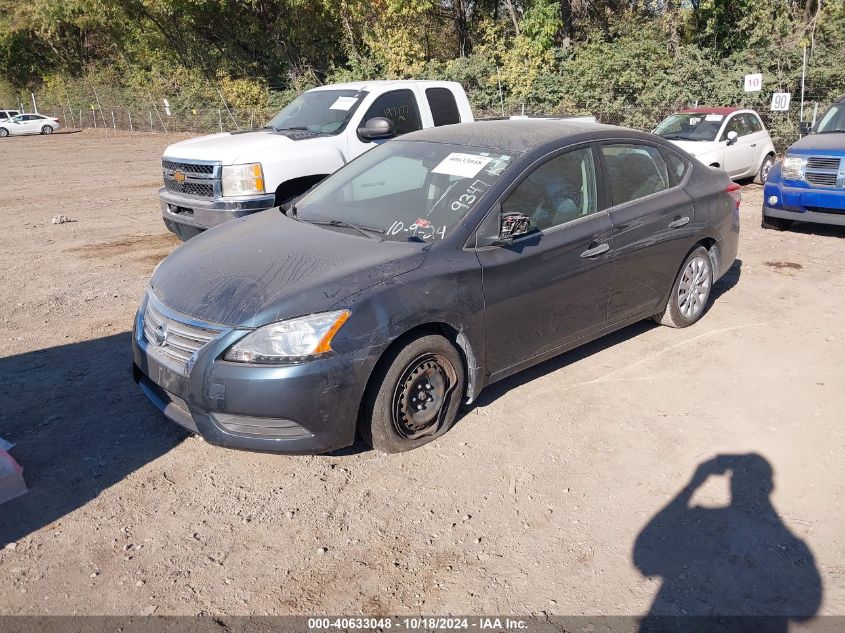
(699,126)
(321,111)
(405,190)
(833,120)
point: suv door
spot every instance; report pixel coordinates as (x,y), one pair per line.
(652,224)
(551,286)
(740,155)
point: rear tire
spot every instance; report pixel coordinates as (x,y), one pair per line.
(3,132)
(776,224)
(47,129)
(765,168)
(688,300)
(413,396)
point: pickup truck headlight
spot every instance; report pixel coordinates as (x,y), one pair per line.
(243,180)
(792,168)
(289,341)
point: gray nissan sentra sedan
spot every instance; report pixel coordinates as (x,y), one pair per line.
(420,273)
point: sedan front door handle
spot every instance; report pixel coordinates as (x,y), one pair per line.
(679,222)
(596,250)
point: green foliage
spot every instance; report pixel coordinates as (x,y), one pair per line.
(625,61)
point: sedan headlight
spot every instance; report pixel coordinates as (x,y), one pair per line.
(289,341)
(792,168)
(243,180)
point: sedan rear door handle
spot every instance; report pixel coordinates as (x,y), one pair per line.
(679,222)
(596,250)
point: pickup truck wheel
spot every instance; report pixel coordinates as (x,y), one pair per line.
(777,224)
(3,132)
(690,292)
(47,129)
(414,395)
(765,168)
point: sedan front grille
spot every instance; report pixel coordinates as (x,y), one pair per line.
(824,171)
(200,179)
(173,337)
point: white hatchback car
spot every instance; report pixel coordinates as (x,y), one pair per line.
(29,124)
(730,138)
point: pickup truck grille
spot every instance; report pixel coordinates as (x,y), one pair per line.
(200,179)
(824,171)
(172,337)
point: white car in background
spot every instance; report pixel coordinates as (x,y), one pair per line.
(729,138)
(28,124)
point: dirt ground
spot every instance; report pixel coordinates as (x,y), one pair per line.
(544,498)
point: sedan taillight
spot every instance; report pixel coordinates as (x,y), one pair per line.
(736,193)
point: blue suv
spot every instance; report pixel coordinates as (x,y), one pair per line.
(809,184)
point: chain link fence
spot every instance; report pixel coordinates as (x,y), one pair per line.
(176,117)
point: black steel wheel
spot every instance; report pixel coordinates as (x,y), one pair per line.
(414,394)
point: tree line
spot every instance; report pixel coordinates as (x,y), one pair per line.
(628,59)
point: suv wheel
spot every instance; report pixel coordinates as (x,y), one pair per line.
(690,292)
(413,396)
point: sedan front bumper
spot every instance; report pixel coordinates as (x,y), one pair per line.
(300,408)
(188,215)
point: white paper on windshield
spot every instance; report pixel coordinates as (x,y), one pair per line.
(694,120)
(714,117)
(343,103)
(461,165)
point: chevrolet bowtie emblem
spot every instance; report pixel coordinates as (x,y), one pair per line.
(179,176)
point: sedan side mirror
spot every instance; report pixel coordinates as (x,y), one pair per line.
(732,136)
(804,128)
(513,224)
(377,128)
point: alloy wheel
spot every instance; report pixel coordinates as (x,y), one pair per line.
(694,287)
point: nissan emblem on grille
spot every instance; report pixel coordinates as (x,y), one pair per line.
(160,334)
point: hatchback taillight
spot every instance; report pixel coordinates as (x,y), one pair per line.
(736,193)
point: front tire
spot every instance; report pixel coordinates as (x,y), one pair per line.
(765,168)
(776,224)
(47,129)
(413,396)
(690,292)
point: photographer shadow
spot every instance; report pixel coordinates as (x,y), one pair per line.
(733,568)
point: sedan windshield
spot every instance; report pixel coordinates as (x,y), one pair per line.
(700,126)
(321,111)
(405,190)
(833,120)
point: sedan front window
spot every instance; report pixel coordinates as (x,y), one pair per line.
(405,190)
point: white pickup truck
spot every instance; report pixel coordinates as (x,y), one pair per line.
(212,179)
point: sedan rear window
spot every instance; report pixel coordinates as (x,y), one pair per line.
(634,171)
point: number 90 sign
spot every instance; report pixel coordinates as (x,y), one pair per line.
(780,101)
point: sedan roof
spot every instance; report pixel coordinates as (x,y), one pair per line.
(516,135)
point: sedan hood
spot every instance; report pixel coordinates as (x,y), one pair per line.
(268,267)
(814,143)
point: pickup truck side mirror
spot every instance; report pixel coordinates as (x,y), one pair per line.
(377,128)
(804,128)
(732,136)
